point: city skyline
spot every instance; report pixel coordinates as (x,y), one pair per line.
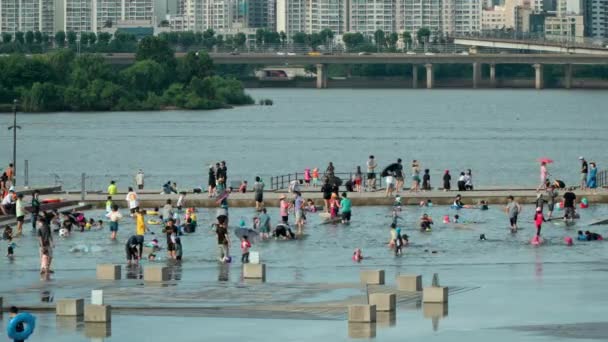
(560,18)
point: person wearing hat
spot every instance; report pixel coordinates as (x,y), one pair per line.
(584,172)
(284,209)
(551,196)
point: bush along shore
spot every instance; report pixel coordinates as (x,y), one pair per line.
(64,81)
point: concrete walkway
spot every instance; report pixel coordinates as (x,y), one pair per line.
(492,196)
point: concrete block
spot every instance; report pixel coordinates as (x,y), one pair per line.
(156,273)
(435,310)
(97,297)
(69,307)
(383,301)
(97,330)
(435,295)
(254,271)
(361,313)
(254,257)
(97,313)
(409,282)
(108,272)
(361,330)
(372,277)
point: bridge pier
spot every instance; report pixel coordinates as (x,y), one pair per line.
(538,73)
(321,76)
(429,76)
(414,76)
(493,75)
(568,76)
(476,74)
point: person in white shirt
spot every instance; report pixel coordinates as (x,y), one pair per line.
(7,203)
(114,217)
(139,179)
(132,201)
(181,201)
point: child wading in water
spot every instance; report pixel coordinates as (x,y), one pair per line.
(245,246)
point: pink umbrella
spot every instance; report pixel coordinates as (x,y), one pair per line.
(545,160)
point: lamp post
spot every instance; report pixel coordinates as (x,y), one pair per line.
(14,127)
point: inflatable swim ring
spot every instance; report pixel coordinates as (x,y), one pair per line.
(27,320)
(151,213)
(154,222)
(63,232)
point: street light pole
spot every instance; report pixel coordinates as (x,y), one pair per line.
(14,127)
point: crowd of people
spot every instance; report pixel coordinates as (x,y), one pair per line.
(337,208)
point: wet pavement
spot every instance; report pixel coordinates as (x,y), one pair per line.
(503,289)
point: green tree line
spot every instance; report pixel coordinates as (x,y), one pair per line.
(63,80)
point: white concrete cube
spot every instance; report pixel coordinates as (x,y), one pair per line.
(361,313)
(156,273)
(435,295)
(97,297)
(97,313)
(409,282)
(254,271)
(254,257)
(372,277)
(383,301)
(108,272)
(69,307)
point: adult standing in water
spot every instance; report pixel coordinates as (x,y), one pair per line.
(569,205)
(298,208)
(258,190)
(326,190)
(45,244)
(371,173)
(543,176)
(551,196)
(211,182)
(35,208)
(139,179)
(513,209)
(345,205)
(584,172)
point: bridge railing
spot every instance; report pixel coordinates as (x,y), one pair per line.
(540,38)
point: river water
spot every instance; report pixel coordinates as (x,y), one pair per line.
(499,134)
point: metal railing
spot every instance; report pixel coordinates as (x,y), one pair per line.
(282,182)
(602,179)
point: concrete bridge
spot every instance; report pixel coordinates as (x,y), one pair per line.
(531,45)
(537,61)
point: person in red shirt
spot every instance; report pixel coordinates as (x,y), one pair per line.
(245,245)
